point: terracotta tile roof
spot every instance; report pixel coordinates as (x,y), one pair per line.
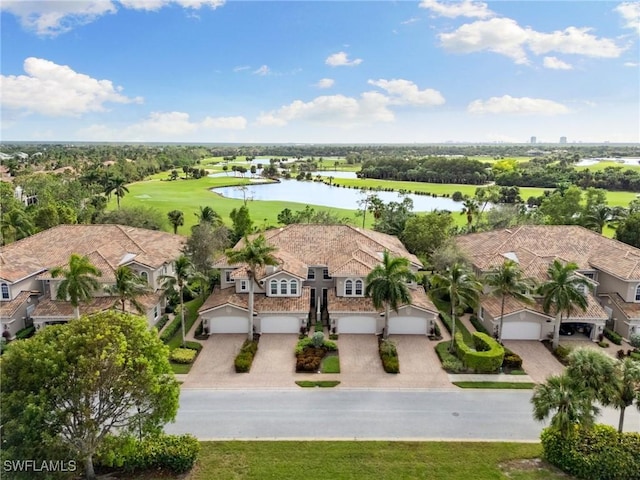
(57,308)
(420,299)
(8,309)
(631,310)
(107,245)
(492,304)
(286,263)
(543,243)
(262,303)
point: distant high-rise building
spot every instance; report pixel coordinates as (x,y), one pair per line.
(534,140)
(563,139)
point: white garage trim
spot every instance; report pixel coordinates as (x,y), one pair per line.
(408,325)
(279,325)
(357,325)
(521,331)
(228,325)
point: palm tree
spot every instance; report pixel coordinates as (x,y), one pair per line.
(16,224)
(462,289)
(598,217)
(627,387)
(183,272)
(176,218)
(562,292)
(470,209)
(254,254)
(129,286)
(79,281)
(208,215)
(507,280)
(387,285)
(119,189)
(569,403)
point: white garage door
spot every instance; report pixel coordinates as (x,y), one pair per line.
(279,325)
(408,325)
(521,331)
(357,325)
(229,325)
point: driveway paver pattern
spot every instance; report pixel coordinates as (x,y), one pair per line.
(537,361)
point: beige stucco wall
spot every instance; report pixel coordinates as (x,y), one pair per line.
(340,281)
(29,283)
(266,288)
(610,284)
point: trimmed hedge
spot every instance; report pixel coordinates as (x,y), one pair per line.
(244,359)
(512,361)
(389,356)
(477,324)
(162,321)
(171,330)
(197,346)
(171,453)
(450,362)
(487,356)
(613,336)
(183,355)
(598,453)
(25,333)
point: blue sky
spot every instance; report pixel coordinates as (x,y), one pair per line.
(320,71)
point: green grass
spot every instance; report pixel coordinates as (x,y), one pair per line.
(602,165)
(368,460)
(330,364)
(176,341)
(319,383)
(496,385)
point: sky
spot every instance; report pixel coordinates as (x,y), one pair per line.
(218,71)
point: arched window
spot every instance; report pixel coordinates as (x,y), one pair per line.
(5,291)
(637,293)
(145,276)
(283,287)
(274,287)
(348,287)
(358,287)
(293,287)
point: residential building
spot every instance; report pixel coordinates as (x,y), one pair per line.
(321,274)
(28,291)
(612,268)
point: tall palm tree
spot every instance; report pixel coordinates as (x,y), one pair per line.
(119,189)
(563,398)
(627,387)
(79,281)
(562,292)
(255,253)
(176,218)
(508,280)
(183,272)
(387,285)
(208,215)
(129,286)
(462,289)
(470,208)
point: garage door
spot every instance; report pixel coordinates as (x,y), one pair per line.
(408,325)
(521,331)
(229,325)
(280,325)
(357,325)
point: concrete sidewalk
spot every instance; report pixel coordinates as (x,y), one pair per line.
(499,377)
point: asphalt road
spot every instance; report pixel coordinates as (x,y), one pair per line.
(307,414)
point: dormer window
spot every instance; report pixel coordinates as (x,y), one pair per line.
(5,291)
(273,287)
(311,274)
(348,287)
(243,285)
(583,289)
(325,274)
(283,287)
(145,276)
(358,287)
(293,287)
(227,275)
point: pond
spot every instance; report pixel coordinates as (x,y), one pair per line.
(586,162)
(317,193)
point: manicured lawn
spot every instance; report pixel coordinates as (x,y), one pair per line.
(602,165)
(367,460)
(494,385)
(330,364)
(176,341)
(319,383)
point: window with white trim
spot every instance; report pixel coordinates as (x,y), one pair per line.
(283,287)
(274,287)
(155,311)
(348,287)
(145,276)
(243,285)
(227,275)
(5,291)
(637,293)
(358,287)
(293,287)
(325,274)
(582,288)
(311,274)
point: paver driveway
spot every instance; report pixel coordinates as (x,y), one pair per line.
(419,363)
(275,355)
(537,361)
(214,365)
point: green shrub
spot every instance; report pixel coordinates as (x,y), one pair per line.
(446,321)
(390,364)
(25,333)
(176,454)
(512,361)
(598,453)
(317,339)
(487,356)
(453,365)
(561,353)
(477,324)
(170,331)
(635,355)
(183,355)
(389,356)
(244,359)
(330,345)
(333,336)
(302,344)
(309,359)
(603,344)
(162,321)
(318,327)
(613,336)
(634,340)
(197,346)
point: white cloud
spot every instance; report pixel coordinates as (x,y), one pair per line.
(410,21)
(341,59)
(336,110)
(498,35)
(556,64)
(506,37)
(241,68)
(262,71)
(325,83)
(57,90)
(630,12)
(631,64)
(228,123)
(466,8)
(512,105)
(405,92)
(53,17)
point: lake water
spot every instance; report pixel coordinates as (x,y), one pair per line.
(587,162)
(317,193)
